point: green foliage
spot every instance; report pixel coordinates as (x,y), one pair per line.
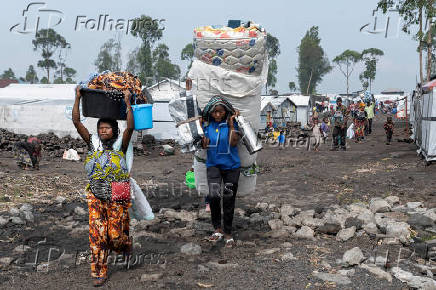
(346,61)
(370,56)
(31,75)
(149,32)
(188,54)
(109,57)
(8,75)
(273,50)
(44,80)
(163,68)
(312,62)
(292,86)
(47,41)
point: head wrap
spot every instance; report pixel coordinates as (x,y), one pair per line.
(213,102)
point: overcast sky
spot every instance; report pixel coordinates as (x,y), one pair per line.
(339,23)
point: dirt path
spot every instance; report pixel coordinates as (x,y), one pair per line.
(307,180)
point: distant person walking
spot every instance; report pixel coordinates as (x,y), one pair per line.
(389,129)
(339,122)
(281,140)
(369,109)
(360,119)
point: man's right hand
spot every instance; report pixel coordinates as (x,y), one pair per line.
(78,95)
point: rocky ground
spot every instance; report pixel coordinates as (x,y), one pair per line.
(360,219)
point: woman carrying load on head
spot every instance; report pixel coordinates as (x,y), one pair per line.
(223,164)
(105,165)
(360,118)
(28,154)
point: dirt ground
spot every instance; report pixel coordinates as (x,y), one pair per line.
(295,176)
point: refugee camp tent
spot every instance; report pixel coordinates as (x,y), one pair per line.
(266,111)
(162,92)
(302,108)
(425,122)
(33,109)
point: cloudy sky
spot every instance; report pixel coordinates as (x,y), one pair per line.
(339,24)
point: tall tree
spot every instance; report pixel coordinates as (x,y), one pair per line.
(313,64)
(61,64)
(69,75)
(8,75)
(163,68)
(273,50)
(370,56)
(414,12)
(346,62)
(47,41)
(109,57)
(31,76)
(149,32)
(188,54)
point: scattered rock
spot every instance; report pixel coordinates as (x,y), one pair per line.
(313,222)
(288,257)
(392,200)
(305,233)
(289,229)
(353,222)
(370,228)
(17,221)
(60,199)
(79,211)
(290,221)
(191,249)
(13,211)
(6,261)
(151,277)
(238,211)
(21,249)
(182,232)
(182,215)
(420,221)
(221,266)
(26,207)
(3,221)
(202,268)
(346,234)
(366,217)
(268,251)
(378,205)
(287,245)
(336,278)
(377,271)
(281,233)
(416,282)
(275,224)
(414,205)
(353,257)
(329,229)
(262,205)
(288,210)
(28,216)
(400,230)
(349,272)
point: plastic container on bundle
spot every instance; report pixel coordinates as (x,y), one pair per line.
(200,172)
(246,158)
(103,104)
(142,114)
(246,184)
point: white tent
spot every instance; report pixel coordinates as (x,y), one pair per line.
(425,124)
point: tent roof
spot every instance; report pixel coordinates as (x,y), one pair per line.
(299,100)
(393,91)
(37,93)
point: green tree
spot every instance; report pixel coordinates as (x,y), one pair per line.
(313,64)
(163,68)
(31,76)
(345,62)
(273,50)
(188,54)
(47,41)
(292,86)
(109,57)
(44,80)
(8,75)
(415,12)
(432,49)
(149,31)
(370,56)
(69,74)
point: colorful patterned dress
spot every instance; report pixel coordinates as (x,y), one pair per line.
(108,221)
(359,125)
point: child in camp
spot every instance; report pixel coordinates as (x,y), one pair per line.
(223,164)
(317,133)
(389,130)
(281,139)
(325,129)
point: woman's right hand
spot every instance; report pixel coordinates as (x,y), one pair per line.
(205,142)
(78,95)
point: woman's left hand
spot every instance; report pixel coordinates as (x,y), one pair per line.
(232,118)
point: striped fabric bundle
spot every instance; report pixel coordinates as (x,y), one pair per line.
(213,102)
